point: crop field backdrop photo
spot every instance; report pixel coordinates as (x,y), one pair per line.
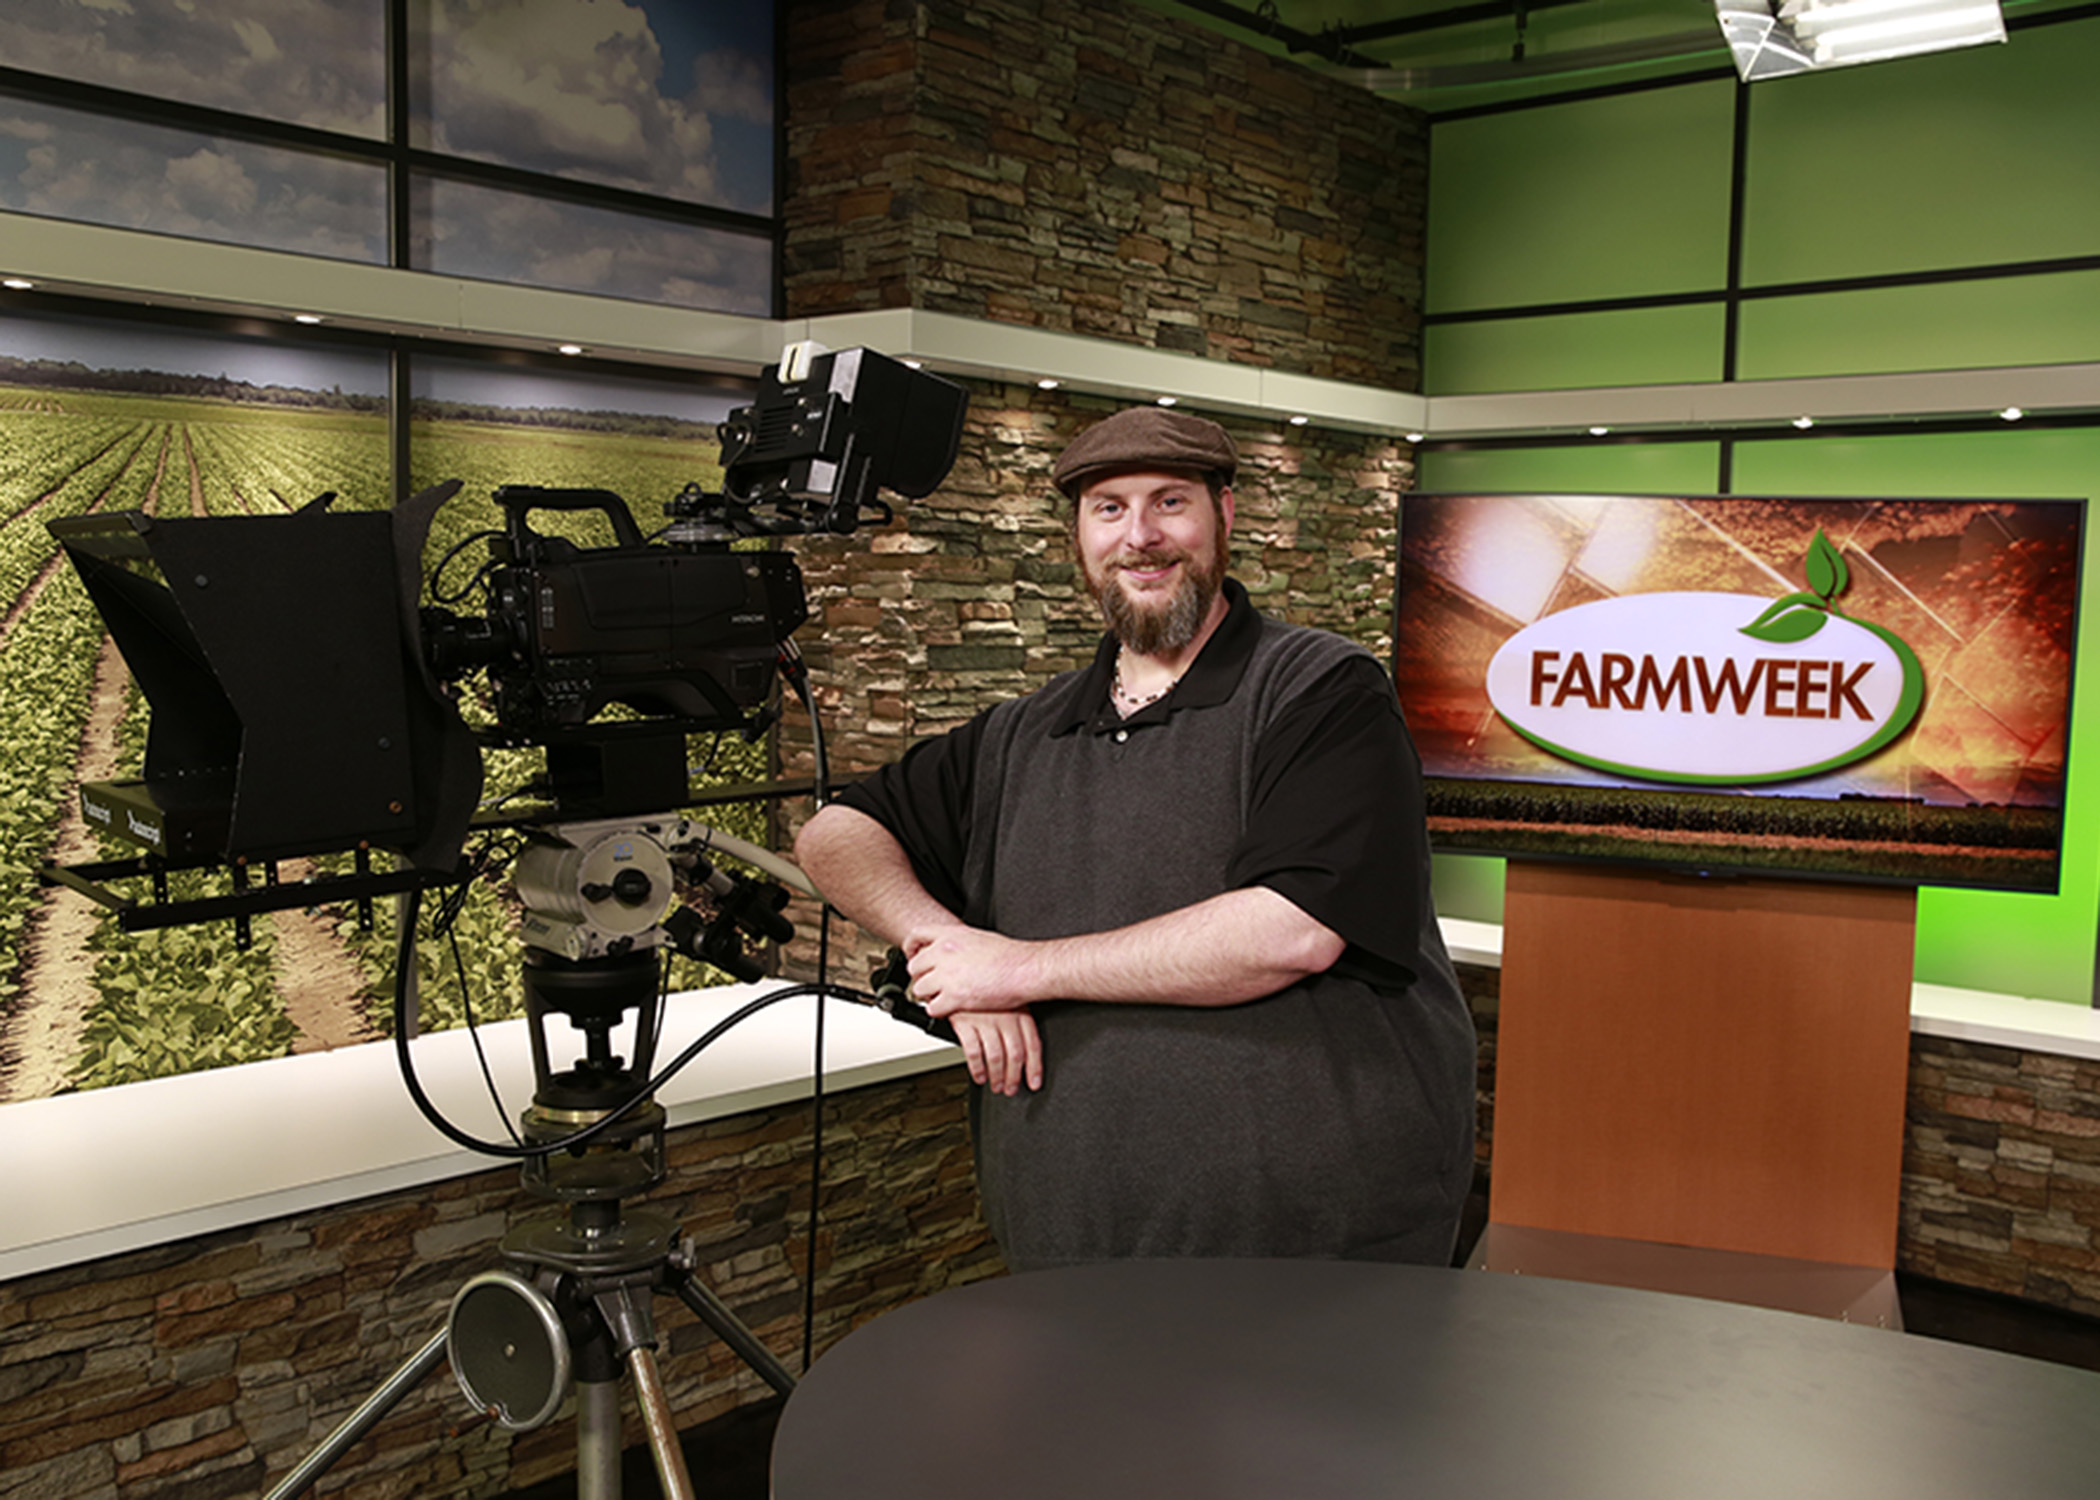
(104,419)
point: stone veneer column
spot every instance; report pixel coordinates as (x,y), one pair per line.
(1098,169)
(1104,171)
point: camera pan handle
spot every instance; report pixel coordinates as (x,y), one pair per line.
(520,500)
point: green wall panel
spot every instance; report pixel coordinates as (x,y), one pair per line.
(2013,320)
(1596,468)
(1615,197)
(1642,346)
(2038,946)
(1468,886)
(1973,157)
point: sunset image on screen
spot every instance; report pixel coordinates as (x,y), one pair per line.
(1854,687)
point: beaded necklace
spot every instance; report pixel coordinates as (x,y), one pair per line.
(1133,701)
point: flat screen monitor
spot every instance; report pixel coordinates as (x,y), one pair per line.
(1860,689)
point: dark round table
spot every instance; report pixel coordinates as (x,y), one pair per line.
(1258,1380)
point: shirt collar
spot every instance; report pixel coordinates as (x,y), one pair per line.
(1209,681)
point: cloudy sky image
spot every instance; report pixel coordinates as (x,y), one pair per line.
(64,164)
(463,229)
(668,97)
(310,62)
(662,96)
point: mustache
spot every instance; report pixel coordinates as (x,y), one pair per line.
(1141,561)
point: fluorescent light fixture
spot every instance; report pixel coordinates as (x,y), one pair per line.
(2011,414)
(18,284)
(1599,431)
(1804,423)
(1046,384)
(1772,38)
(1300,420)
(1415,437)
(307,318)
(1167,400)
(568,349)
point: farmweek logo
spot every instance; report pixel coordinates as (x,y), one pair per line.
(1677,687)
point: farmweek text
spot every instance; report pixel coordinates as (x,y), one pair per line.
(1783,688)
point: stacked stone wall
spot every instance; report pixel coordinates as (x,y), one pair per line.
(972,595)
(1102,170)
(207,1368)
(2001,1172)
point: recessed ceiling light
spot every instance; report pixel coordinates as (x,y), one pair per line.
(2011,414)
(1166,400)
(1046,384)
(1599,431)
(306,318)
(1414,437)
(1804,423)
(17,284)
(1300,420)
(913,364)
(568,348)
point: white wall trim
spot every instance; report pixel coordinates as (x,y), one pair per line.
(131,266)
(118,1169)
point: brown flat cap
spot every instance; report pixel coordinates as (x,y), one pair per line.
(1146,437)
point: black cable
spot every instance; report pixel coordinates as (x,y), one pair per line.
(796,671)
(438,594)
(466,1006)
(816,1148)
(405,1059)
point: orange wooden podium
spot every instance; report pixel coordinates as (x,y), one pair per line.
(1703,1063)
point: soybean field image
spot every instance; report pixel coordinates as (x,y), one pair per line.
(85,1005)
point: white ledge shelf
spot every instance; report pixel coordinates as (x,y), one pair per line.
(118,1169)
(2052,1026)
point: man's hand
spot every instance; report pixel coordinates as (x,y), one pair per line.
(957,968)
(1002,1049)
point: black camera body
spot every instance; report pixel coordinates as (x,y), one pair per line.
(685,633)
(304,701)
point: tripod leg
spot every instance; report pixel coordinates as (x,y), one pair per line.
(715,1313)
(361,1421)
(656,1417)
(598,1440)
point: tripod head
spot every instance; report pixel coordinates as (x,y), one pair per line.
(603,899)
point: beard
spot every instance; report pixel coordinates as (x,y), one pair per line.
(1145,624)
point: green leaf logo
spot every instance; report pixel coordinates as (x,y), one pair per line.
(1827,573)
(1797,616)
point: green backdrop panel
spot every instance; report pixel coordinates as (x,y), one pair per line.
(2012,320)
(2037,946)
(1598,468)
(1641,346)
(1973,157)
(1468,886)
(1614,197)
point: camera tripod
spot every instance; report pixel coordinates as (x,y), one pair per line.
(573,1305)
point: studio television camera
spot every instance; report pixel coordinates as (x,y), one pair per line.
(306,702)
(305,698)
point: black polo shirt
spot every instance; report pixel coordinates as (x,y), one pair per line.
(1331,1118)
(1333,822)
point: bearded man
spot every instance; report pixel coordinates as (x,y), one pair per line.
(1177,907)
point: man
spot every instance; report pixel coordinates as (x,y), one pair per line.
(1177,907)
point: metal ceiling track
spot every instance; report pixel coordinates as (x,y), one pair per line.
(1336,47)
